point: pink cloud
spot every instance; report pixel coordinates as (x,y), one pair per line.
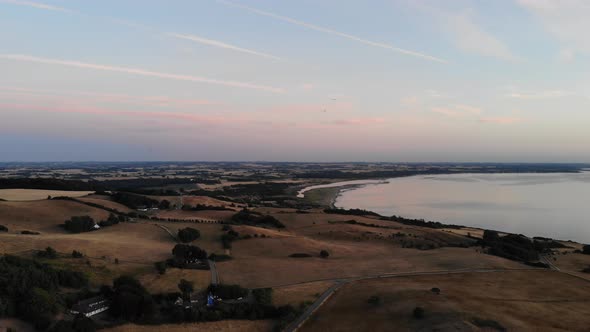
(457,110)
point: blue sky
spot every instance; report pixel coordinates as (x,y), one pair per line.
(305,80)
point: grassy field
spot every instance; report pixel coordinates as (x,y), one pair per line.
(518,301)
(222,326)
(37,194)
(297,294)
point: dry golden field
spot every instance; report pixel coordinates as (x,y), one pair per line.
(296,294)
(519,301)
(37,194)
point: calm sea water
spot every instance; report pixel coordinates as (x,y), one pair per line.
(551,205)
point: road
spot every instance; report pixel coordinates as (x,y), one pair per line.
(296,325)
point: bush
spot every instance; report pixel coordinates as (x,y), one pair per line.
(418,313)
(3,228)
(374,300)
(160,267)
(586,250)
(435,290)
(29,233)
(300,255)
(48,253)
(488,323)
(77,254)
(80,224)
(188,234)
(324,254)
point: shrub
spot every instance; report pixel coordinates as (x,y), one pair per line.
(418,313)
(29,233)
(483,323)
(435,290)
(77,254)
(188,234)
(374,300)
(160,267)
(49,253)
(586,249)
(324,254)
(3,228)
(300,255)
(80,224)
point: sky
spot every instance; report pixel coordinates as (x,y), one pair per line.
(268,80)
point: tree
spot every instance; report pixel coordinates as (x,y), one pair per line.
(160,267)
(263,295)
(586,250)
(77,254)
(164,205)
(188,234)
(80,224)
(130,300)
(418,313)
(39,306)
(186,287)
(324,254)
(374,300)
(49,253)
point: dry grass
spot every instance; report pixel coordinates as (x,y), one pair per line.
(221,326)
(44,216)
(191,215)
(106,202)
(296,294)
(168,282)
(37,194)
(519,301)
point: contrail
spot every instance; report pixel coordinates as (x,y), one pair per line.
(332,32)
(197,39)
(220,44)
(141,72)
(37,5)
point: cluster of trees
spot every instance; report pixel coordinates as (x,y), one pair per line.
(29,289)
(79,224)
(420,222)
(48,253)
(80,323)
(229,236)
(204,207)
(134,201)
(185,255)
(352,212)
(130,300)
(586,250)
(511,246)
(49,184)
(188,234)
(228,292)
(247,217)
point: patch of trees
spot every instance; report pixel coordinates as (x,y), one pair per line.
(188,234)
(230,236)
(130,300)
(3,228)
(111,220)
(80,224)
(420,222)
(300,255)
(586,250)
(28,289)
(186,255)
(160,267)
(219,258)
(48,253)
(324,254)
(205,207)
(228,292)
(247,217)
(77,254)
(263,295)
(511,246)
(134,201)
(29,233)
(352,212)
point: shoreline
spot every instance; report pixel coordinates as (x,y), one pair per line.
(331,194)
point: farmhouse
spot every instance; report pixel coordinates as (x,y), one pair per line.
(91,306)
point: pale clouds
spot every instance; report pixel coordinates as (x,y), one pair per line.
(36,5)
(463,30)
(540,94)
(457,110)
(220,44)
(141,72)
(566,20)
(333,32)
(505,120)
